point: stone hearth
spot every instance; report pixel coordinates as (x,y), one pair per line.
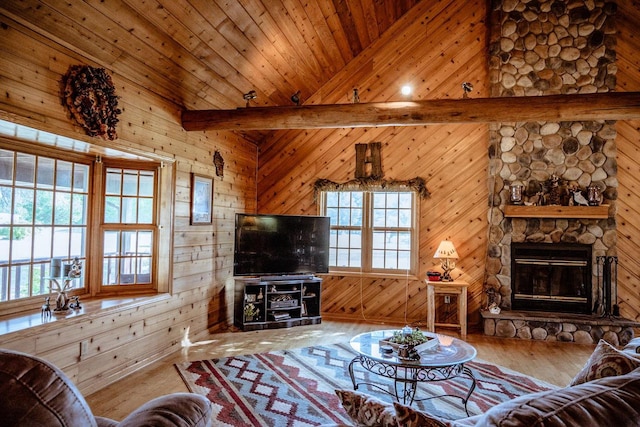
(581,329)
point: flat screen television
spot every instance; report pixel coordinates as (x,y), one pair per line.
(267,245)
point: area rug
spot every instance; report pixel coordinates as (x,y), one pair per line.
(297,387)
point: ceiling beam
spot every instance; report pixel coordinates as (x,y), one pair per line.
(598,106)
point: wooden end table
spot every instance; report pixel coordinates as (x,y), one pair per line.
(457,288)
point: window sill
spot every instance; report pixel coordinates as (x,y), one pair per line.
(34,322)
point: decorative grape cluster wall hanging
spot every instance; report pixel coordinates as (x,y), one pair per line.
(89,95)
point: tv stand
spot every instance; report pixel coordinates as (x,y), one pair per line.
(277,301)
(287,277)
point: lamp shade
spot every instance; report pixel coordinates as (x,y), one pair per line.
(446,250)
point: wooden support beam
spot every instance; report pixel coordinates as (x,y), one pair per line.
(597,106)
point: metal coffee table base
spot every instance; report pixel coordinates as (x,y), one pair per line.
(406,378)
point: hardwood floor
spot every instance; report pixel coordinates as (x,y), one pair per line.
(554,362)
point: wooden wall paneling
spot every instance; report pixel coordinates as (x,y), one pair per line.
(282,184)
(163,39)
(62,27)
(366,70)
(353,298)
(369,13)
(284,40)
(96,372)
(328,33)
(26,344)
(278,52)
(66,24)
(335,29)
(122,341)
(314,45)
(246,35)
(197,56)
(628,146)
(453,159)
(156,317)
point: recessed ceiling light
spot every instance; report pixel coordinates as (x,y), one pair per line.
(406,90)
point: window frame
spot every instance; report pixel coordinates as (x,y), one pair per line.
(367,230)
(162,217)
(100,173)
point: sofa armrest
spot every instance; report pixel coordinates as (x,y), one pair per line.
(177,409)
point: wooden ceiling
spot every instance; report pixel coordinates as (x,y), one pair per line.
(206,54)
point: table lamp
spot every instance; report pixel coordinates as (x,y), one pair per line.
(447,253)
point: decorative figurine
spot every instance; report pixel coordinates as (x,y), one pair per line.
(555,194)
(46,309)
(76,268)
(593,195)
(578,198)
(75,303)
(494,309)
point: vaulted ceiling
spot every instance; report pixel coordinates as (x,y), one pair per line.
(205,54)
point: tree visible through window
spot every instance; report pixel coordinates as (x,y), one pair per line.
(372,231)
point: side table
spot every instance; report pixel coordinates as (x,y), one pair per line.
(457,288)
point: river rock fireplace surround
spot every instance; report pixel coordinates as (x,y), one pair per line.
(548,47)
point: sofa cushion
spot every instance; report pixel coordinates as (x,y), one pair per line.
(171,410)
(609,401)
(633,347)
(606,361)
(365,410)
(407,416)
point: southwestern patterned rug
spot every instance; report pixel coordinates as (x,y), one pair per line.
(296,387)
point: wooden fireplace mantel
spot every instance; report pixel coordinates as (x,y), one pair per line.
(587,212)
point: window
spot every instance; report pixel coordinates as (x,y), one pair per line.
(43,215)
(129,226)
(372,231)
(59,204)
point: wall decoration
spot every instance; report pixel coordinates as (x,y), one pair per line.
(368,154)
(218,162)
(416,184)
(89,95)
(201,199)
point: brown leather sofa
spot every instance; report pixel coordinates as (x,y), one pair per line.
(33,392)
(612,400)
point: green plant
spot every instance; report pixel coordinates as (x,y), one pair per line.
(251,311)
(414,338)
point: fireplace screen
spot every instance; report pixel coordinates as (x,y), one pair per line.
(551,277)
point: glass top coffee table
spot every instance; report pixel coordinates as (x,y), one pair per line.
(443,361)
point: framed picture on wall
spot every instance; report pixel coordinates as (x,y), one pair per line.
(201,199)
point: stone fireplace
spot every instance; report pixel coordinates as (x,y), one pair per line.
(548,47)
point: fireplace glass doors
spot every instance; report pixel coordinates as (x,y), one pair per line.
(551,277)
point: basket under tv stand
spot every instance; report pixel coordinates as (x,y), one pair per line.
(277,301)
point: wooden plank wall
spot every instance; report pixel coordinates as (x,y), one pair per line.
(628,144)
(435,47)
(123,340)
